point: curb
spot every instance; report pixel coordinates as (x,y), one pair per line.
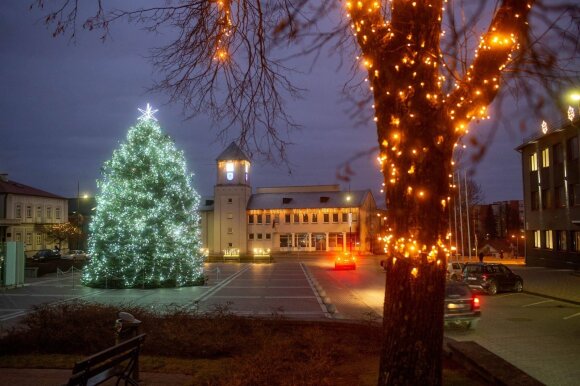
(489,367)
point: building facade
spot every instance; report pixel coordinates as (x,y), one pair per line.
(288,219)
(25,210)
(551,178)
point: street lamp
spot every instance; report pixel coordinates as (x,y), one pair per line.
(349,224)
(517,245)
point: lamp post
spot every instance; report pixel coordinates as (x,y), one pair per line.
(517,245)
(349,223)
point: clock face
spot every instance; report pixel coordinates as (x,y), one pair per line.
(230,176)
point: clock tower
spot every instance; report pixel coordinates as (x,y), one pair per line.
(231,195)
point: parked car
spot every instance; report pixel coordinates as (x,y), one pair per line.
(491,278)
(45,254)
(454,271)
(76,254)
(345,261)
(461,305)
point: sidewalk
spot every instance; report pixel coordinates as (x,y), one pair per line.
(51,377)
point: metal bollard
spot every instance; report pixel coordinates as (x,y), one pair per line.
(127,326)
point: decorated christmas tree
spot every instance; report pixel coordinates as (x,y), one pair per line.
(146,231)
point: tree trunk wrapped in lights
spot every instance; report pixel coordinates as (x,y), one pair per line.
(418,126)
(426,90)
(145,232)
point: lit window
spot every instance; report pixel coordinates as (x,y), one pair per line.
(534,162)
(229,167)
(537,239)
(549,240)
(545,157)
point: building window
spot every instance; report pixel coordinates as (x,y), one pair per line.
(549,240)
(28,211)
(57,213)
(574,195)
(268,236)
(561,239)
(547,202)
(259,236)
(546,157)
(287,218)
(259,219)
(558,154)
(534,162)
(268,218)
(344,217)
(276,219)
(39,212)
(302,240)
(29,238)
(576,241)
(230,215)
(18,236)
(285,240)
(230,171)
(250,219)
(38,239)
(535,200)
(572,148)
(537,239)
(48,212)
(305,218)
(560,196)
(230,200)
(230,231)
(251,236)
(296,218)
(18,211)
(335,218)
(314,218)
(230,245)
(326,218)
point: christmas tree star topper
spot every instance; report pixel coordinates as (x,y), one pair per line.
(147,114)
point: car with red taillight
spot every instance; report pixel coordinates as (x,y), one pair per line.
(491,278)
(345,261)
(462,306)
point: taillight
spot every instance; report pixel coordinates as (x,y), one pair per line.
(475,302)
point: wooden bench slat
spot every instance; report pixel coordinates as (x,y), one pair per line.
(117,361)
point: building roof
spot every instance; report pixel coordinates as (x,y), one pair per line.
(307,200)
(233,153)
(12,187)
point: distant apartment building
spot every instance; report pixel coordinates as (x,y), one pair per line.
(500,219)
(288,219)
(551,178)
(25,210)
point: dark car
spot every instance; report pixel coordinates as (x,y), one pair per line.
(461,305)
(491,278)
(46,254)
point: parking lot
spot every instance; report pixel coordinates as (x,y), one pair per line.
(283,289)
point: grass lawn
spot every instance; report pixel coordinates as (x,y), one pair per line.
(216,348)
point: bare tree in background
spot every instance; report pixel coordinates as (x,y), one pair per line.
(432,68)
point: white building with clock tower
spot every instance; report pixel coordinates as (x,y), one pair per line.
(285,219)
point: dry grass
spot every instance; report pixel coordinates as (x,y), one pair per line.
(216,348)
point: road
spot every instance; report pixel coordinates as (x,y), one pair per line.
(537,334)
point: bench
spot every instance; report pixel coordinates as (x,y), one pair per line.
(119,361)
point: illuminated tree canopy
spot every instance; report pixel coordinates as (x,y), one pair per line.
(428,69)
(145,232)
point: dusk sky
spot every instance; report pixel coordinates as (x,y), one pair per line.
(65,106)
